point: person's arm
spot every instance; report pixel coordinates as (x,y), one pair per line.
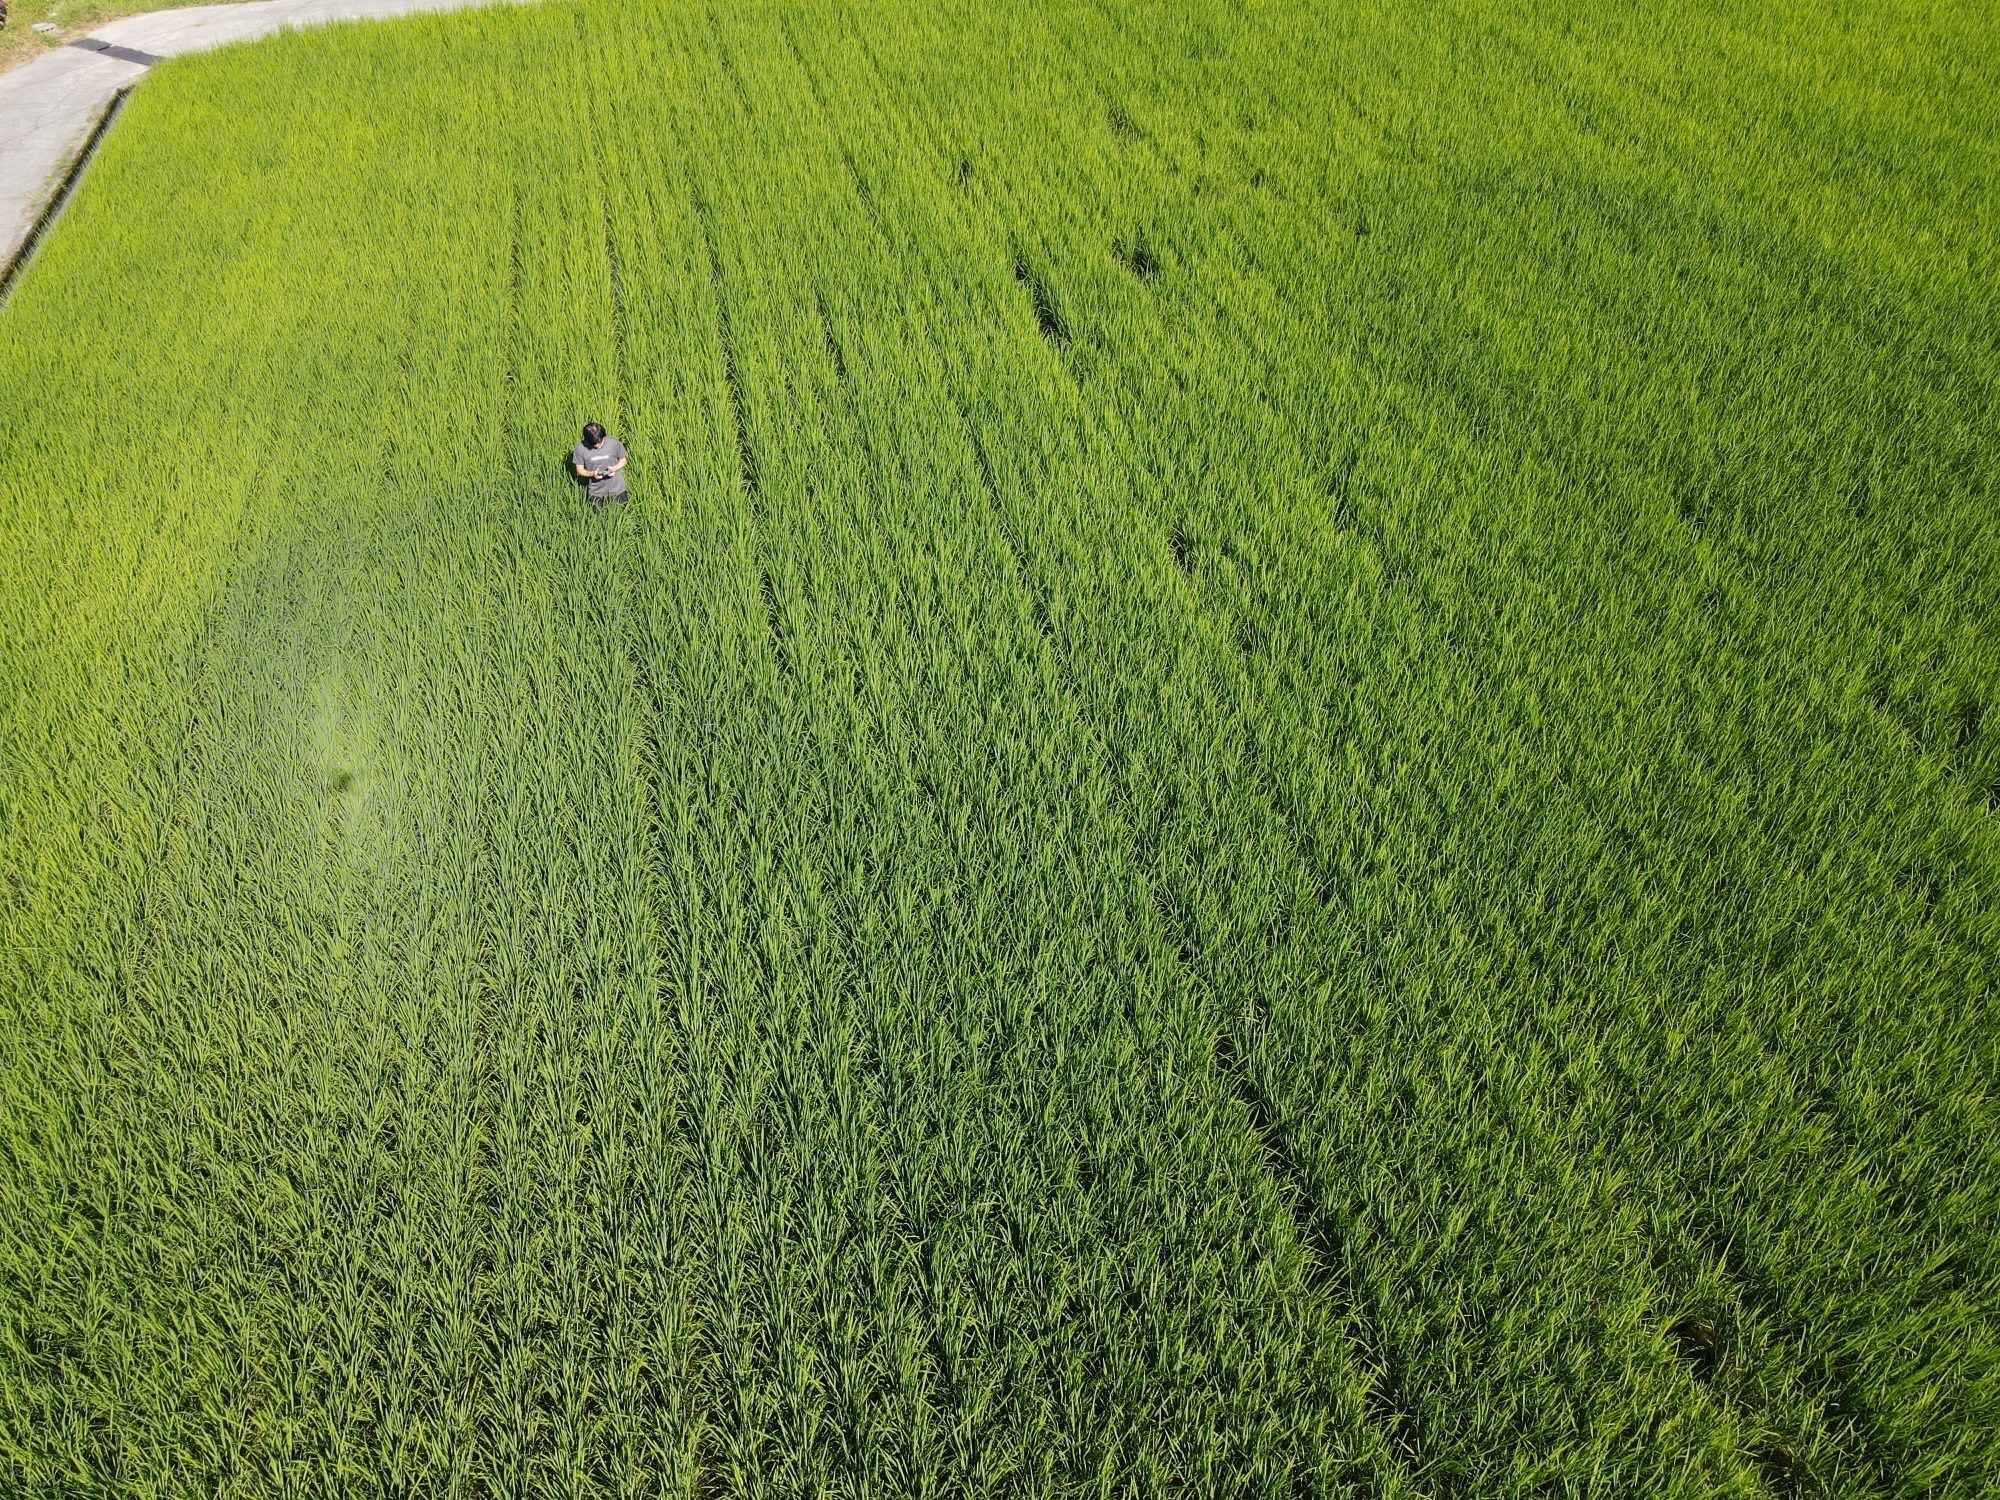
(622,458)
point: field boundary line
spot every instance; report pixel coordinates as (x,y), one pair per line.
(51,109)
(52,208)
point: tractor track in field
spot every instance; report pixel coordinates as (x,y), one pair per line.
(729,69)
(1390,1405)
(655,698)
(1387,1399)
(1387,1396)
(746,453)
(511,319)
(620,363)
(1472,405)
(1390,1408)
(945,1365)
(1702,1345)
(1037,603)
(1773,1460)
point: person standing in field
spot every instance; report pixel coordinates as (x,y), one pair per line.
(600,460)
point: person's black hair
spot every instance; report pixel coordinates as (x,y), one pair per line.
(593,433)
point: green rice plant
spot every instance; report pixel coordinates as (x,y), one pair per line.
(1282,782)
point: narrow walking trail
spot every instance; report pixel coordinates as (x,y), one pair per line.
(50,107)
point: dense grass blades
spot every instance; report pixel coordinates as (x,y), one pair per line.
(1284,782)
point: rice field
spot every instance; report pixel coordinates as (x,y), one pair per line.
(1286,780)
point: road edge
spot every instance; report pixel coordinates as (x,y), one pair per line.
(65,179)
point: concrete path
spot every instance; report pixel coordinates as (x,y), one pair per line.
(49,107)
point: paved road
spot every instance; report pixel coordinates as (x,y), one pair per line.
(49,106)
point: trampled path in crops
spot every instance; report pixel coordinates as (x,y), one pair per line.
(50,108)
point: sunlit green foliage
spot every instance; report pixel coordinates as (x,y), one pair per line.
(1285,782)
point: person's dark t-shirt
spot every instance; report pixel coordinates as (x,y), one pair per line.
(603,456)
